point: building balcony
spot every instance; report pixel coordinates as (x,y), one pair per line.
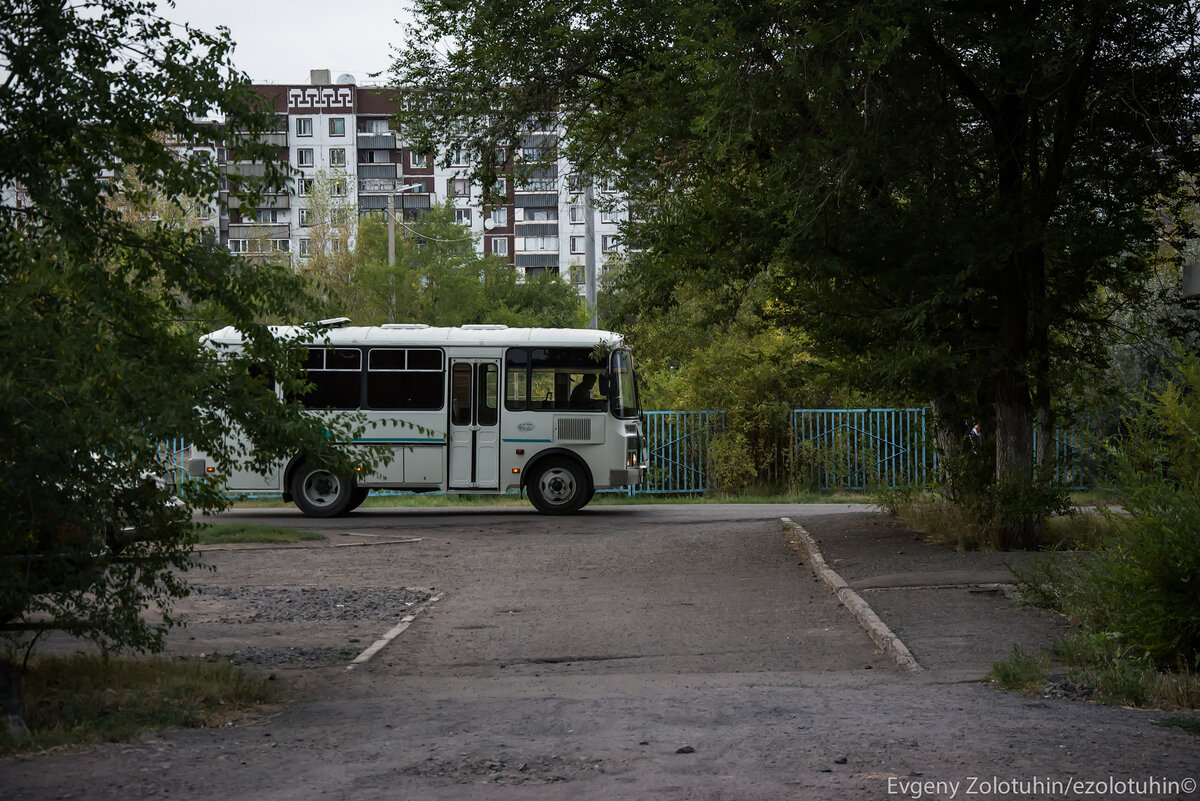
(259,231)
(382,185)
(376,171)
(408,200)
(375,141)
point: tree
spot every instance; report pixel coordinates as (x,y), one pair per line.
(332,228)
(440,279)
(941,195)
(106,288)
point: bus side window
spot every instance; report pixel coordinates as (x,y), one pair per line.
(516,379)
(564,378)
(336,376)
(405,379)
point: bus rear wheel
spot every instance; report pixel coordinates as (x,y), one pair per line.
(320,493)
(558,487)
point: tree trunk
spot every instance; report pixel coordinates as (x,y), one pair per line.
(10,700)
(947,440)
(1014,410)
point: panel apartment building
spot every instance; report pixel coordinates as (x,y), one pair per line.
(342,130)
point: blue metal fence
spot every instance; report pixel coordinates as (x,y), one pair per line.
(860,448)
(824,449)
(677,444)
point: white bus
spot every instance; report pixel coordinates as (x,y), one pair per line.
(479,409)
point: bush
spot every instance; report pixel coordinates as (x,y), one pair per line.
(1145,586)
(731,465)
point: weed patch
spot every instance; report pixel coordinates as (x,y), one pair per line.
(1190,725)
(234,533)
(1021,671)
(87,699)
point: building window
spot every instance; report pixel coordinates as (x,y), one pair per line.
(339,187)
(538,185)
(304,187)
(372,126)
(537,244)
(499,246)
(304,219)
(304,126)
(337,157)
(462,216)
(541,215)
(420,160)
(337,126)
(268,216)
(281,245)
(305,248)
(577,213)
(237,245)
(608,244)
(500,218)
(304,156)
(458,156)
(610,216)
(577,244)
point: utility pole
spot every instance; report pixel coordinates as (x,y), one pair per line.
(589,249)
(391,213)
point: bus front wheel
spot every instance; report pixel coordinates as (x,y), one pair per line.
(320,493)
(558,487)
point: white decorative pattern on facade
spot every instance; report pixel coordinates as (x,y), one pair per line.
(321,98)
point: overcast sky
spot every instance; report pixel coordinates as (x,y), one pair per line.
(281,42)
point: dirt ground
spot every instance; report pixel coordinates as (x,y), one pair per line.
(628,652)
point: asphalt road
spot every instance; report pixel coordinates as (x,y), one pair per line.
(639,652)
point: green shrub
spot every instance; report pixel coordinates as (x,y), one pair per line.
(1145,586)
(731,466)
(1021,671)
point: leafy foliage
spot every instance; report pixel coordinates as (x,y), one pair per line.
(107,287)
(439,279)
(944,198)
(1144,586)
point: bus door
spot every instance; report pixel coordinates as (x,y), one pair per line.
(474,451)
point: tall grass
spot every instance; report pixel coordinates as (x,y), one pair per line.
(87,699)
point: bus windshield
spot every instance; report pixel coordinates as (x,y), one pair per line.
(624,397)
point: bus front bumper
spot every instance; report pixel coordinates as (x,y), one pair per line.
(629,477)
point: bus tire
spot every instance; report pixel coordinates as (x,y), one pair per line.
(360,495)
(320,493)
(558,486)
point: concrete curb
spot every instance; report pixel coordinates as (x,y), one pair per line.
(866,617)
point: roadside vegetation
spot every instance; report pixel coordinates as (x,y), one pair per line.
(88,699)
(237,533)
(1134,595)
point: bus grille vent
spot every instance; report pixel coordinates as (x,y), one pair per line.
(577,429)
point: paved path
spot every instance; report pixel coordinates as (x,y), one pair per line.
(635,652)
